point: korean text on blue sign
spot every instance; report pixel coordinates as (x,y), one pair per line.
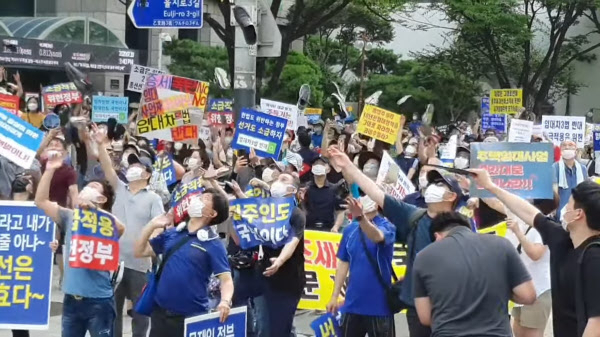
(596,140)
(495,122)
(327,326)
(19,140)
(264,133)
(25,266)
(105,107)
(165,167)
(208,325)
(521,168)
(485,105)
(166,13)
(262,221)
(95,240)
(180,199)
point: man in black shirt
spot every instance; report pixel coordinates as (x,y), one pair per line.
(575,275)
(321,200)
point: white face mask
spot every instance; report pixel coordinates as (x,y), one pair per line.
(564,223)
(178,146)
(89,194)
(461,162)
(228,140)
(193,163)
(134,174)
(410,151)
(319,170)
(352,148)
(279,189)
(434,194)
(32,107)
(423,181)
(568,154)
(195,208)
(267,175)
(371,170)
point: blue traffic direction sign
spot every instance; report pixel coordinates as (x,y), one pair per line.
(166,13)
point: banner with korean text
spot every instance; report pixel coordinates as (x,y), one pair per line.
(596,139)
(19,140)
(94,240)
(138,75)
(10,103)
(64,93)
(259,131)
(380,124)
(105,107)
(25,266)
(392,179)
(561,128)
(164,166)
(506,101)
(180,198)
(283,110)
(520,131)
(521,168)
(493,122)
(327,325)
(209,325)
(220,112)
(262,221)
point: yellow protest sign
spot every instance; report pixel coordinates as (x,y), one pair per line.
(167,120)
(380,124)
(313,111)
(506,101)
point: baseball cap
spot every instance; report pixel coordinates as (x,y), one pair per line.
(135,159)
(435,176)
(295,160)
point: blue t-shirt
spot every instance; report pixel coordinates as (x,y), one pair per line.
(399,214)
(183,284)
(316,140)
(365,295)
(80,281)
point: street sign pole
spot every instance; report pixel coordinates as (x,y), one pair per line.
(244,77)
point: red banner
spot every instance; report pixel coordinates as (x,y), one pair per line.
(10,103)
(94,241)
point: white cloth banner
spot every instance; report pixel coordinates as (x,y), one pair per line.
(520,131)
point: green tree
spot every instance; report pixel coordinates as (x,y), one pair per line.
(298,70)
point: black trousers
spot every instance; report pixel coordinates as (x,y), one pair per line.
(415,328)
(20,333)
(166,324)
(373,326)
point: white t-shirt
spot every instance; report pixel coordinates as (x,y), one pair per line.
(540,269)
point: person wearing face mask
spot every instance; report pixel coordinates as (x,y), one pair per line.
(136,205)
(369,162)
(568,173)
(88,304)
(284,278)
(418,198)
(32,113)
(317,136)
(323,207)
(462,158)
(574,245)
(412,223)
(196,253)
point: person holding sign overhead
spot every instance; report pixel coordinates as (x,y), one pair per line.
(88,304)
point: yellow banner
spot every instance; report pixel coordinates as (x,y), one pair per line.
(167,120)
(380,124)
(313,111)
(506,101)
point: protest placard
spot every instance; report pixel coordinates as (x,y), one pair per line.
(485,105)
(561,128)
(283,110)
(137,77)
(105,107)
(597,151)
(19,140)
(327,325)
(380,124)
(506,101)
(10,103)
(185,133)
(448,151)
(493,122)
(261,132)
(537,130)
(94,240)
(220,112)
(208,325)
(61,94)
(180,199)
(25,266)
(313,111)
(520,131)
(523,169)
(165,121)
(204,133)
(164,166)
(392,179)
(262,221)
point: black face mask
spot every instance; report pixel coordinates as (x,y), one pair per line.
(20,185)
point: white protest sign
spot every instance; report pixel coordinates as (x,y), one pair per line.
(287,111)
(537,130)
(448,151)
(204,133)
(392,179)
(520,131)
(561,128)
(137,77)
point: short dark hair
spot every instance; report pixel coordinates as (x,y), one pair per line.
(109,192)
(61,141)
(304,139)
(220,205)
(444,222)
(587,197)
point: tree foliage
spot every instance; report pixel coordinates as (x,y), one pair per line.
(298,70)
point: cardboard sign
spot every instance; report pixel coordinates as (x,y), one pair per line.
(506,101)
(561,128)
(208,325)
(106,107)
(25,266)
(380,124)
(10,103)
(94,240)
(283,110)
(392,179)
(138,75)
(261,132)
(520,131)
(19,140)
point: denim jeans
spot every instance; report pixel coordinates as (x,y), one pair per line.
(275,311)
(96,315)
